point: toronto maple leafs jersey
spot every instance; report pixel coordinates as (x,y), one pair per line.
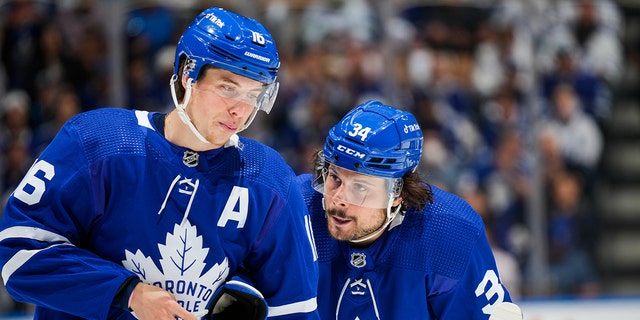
(111,198)
(432,264)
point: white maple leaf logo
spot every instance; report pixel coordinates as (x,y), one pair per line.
(182,267)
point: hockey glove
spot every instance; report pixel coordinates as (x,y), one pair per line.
(237,300)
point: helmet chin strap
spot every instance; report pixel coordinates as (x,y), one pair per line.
(182,107)
(390,216)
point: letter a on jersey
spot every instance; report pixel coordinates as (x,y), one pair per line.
(239,198)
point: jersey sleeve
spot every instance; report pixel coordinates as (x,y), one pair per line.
(42,229)
(288,271)
(475,294)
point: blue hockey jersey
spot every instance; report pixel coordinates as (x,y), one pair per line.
(111,198)
(433,264)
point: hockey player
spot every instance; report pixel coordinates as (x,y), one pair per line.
(129,214)
(390,245)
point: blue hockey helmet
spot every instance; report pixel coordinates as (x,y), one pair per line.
(232,42)
(376,140)
(229,41)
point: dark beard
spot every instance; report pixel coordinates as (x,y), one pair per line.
(358,234)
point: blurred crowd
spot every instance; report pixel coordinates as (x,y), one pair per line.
(511,95)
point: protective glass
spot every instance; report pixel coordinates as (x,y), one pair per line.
(358,189)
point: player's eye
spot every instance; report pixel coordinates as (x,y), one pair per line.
(227,91)
(359,188)
(334,178)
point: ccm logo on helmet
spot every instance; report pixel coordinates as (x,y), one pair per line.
(350,151)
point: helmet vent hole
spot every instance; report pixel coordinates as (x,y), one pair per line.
(379,166)
(376,160)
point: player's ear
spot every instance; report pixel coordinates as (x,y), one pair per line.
(184,79)
(397,201)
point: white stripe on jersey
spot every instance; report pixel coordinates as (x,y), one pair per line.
(24,255)
(298,307)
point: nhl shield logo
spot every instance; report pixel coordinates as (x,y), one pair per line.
(358,259)
(190,158)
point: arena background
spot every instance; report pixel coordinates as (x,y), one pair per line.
(480,75)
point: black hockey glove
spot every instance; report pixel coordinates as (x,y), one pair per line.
(237,300)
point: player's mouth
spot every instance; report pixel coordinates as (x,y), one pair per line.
(229,126)
(339,222)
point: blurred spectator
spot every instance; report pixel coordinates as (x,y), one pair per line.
(507,262)
(65,105)
(151,34)
(21,26)
(571,141)
(94,60)
(454,106)
(572,135)
(279,16)
(369,75)
(18,160)
(15,126)
(440,166)
(503,56)
(594,94)
(596,26)
(56,65)
(83,25)
(502,113)
(419,65)
(149,28)
(326,18)
(589,28)
(507,181)
(571,269)
(75,18)
(520,24)
(488,73)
